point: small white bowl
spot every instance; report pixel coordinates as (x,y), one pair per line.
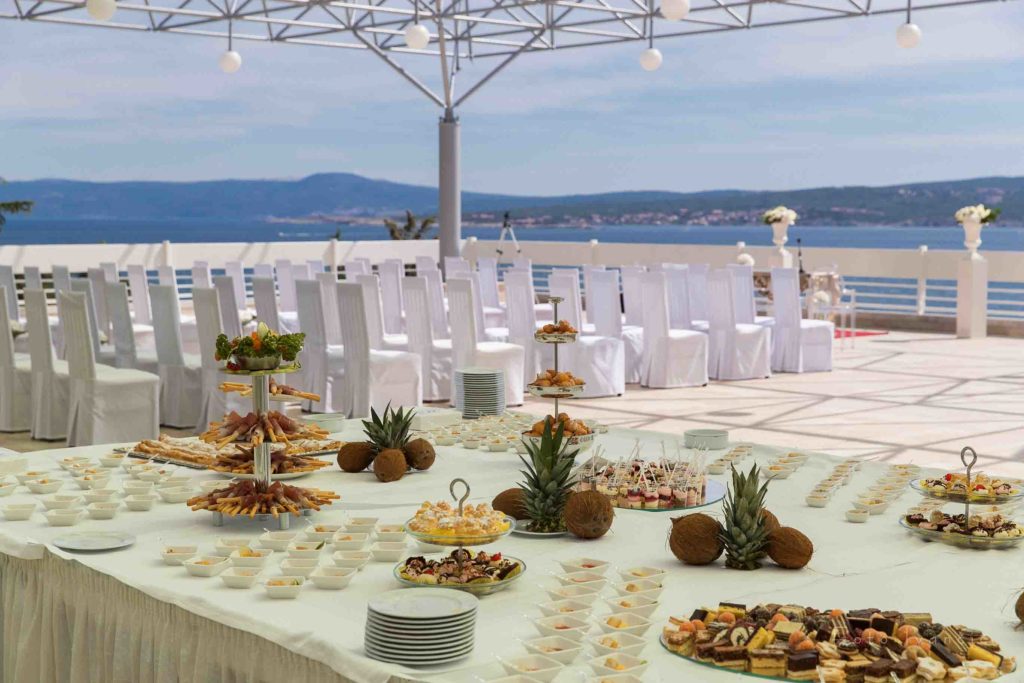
(298,566)
(175,495)
(651,574)
(174,481)
(306,549)
(211,565)
(85,482)
(857,516)
(332,578)
(638,587)
(284,587)
(445,441)
(390,532)
(7,489)
(566,626)
(640,605)
(240,577)
(58,501)
(581,579)
(584,564)
(45,485)
(137,488)
(211,485)
(560,649)
(351,559)
(631,623)
(868,505)
(226,545)
(498,447)
(344,540)
(73,461)
(140,502)
(471,444)
(26,477)
(321,532)
(633,665)
(103,510)
(63,517)
(153,475)
(18,512)
(387,551)
(579,593)
(257,560)
(817,501)
(781,473)
(277,540)
(576,608)
(627,643)
(112,460)
(360,525)
(537,667)
(175,555)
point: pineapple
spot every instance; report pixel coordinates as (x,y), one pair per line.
(547,484)
(744,534)
(389,434)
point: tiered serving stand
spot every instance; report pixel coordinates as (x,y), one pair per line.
(456,541)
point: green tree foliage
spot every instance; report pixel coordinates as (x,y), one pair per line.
(412,230)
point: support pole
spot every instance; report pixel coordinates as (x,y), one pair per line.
(449,186)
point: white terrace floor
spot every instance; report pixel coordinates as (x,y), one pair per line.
(900,397)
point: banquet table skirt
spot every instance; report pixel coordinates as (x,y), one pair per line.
(64,622)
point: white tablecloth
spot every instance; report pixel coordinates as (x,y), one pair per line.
(57,604)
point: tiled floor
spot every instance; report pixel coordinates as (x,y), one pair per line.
(899,397)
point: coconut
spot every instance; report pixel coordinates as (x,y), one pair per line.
(771,522)
(356,456)
(588,514)
(789,548)
(390,465)
(419,454)
(1019,608)
(694,539)
(512,502)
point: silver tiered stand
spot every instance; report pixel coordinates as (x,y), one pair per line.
(261,453)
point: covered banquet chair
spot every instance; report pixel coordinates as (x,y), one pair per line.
(672,357)
(51,384)
(181,376)
(126,352)
(605,312)
(435,354)
(800,345)
(736,350)
(15,378)
(213,403)
(323,363)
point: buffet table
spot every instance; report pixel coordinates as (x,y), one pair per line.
(124,615)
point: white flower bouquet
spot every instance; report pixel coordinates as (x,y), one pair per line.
(780,214)
(978,214)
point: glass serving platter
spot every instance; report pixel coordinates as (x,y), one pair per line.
(280,370)
(582,442)
(1016,494)
(714,493)
(456,540)
(555,392)
(961,540)
(474,588)
(712,665)
(555,337)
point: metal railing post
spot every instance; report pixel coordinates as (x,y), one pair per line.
(165,255)
(922,279)
(594,256)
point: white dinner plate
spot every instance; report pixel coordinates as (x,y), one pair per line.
(425,603)
(418,625)
(93,541)
(408,637)
(417,660)
(443,647)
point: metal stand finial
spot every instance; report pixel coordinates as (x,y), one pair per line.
(969,466)
(462,500)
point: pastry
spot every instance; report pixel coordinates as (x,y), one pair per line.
(802,666)
(878,672)
(768,662)
(931,669)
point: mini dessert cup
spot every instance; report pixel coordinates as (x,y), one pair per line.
(284,587)
(560,649)
(240,577)
(536,667)
(857,516)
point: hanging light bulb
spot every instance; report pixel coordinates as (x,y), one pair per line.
(230,62)
(675,10)
(650,59)
(101,10)
(908,35)
(417,36)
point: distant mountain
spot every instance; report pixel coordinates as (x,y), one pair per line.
(341,196)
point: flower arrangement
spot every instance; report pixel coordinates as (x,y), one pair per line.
(978,214)
(780,214)
(263,344)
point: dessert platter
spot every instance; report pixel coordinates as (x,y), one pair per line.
(577,433)
(985,530)
(444,524)
(552,383)
(246,498)
(278,392)
(560,332)
(792,642)
(240,465)
(953,487)
(480,573)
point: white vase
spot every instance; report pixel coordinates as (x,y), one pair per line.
(779,229)
(972,234)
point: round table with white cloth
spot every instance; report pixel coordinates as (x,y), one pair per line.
(125,615)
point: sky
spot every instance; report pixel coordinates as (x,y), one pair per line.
(831,103)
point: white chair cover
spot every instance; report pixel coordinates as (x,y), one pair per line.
(600,361)
(51,385)
(11,288)
(357,267)
(301,271)
(263,270)
(98,305)
(109,269)
(181,378)
(678,282)
(587,271)
(523,263)
(606,314)
(799,345)
(697,280)
(61,279)
(315,266)
(165,276)
(487,269)
(467,352)
(438,304)
(375,317)
(230,323)
(33,278)
(15,378)
(672,357)
(522,322)
(743,291)
(139,283)
(372,377)
(435,355)
(735,351)
(285,274)
(111,406)
(323,365)
(265,298)
(214,403)
(236,271)
(201,275)
(455,266)
(126,354)
(425,263)
(105,353)
(391,272)
(329,303)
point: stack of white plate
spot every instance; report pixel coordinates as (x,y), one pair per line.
(420,627)
(479,392)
